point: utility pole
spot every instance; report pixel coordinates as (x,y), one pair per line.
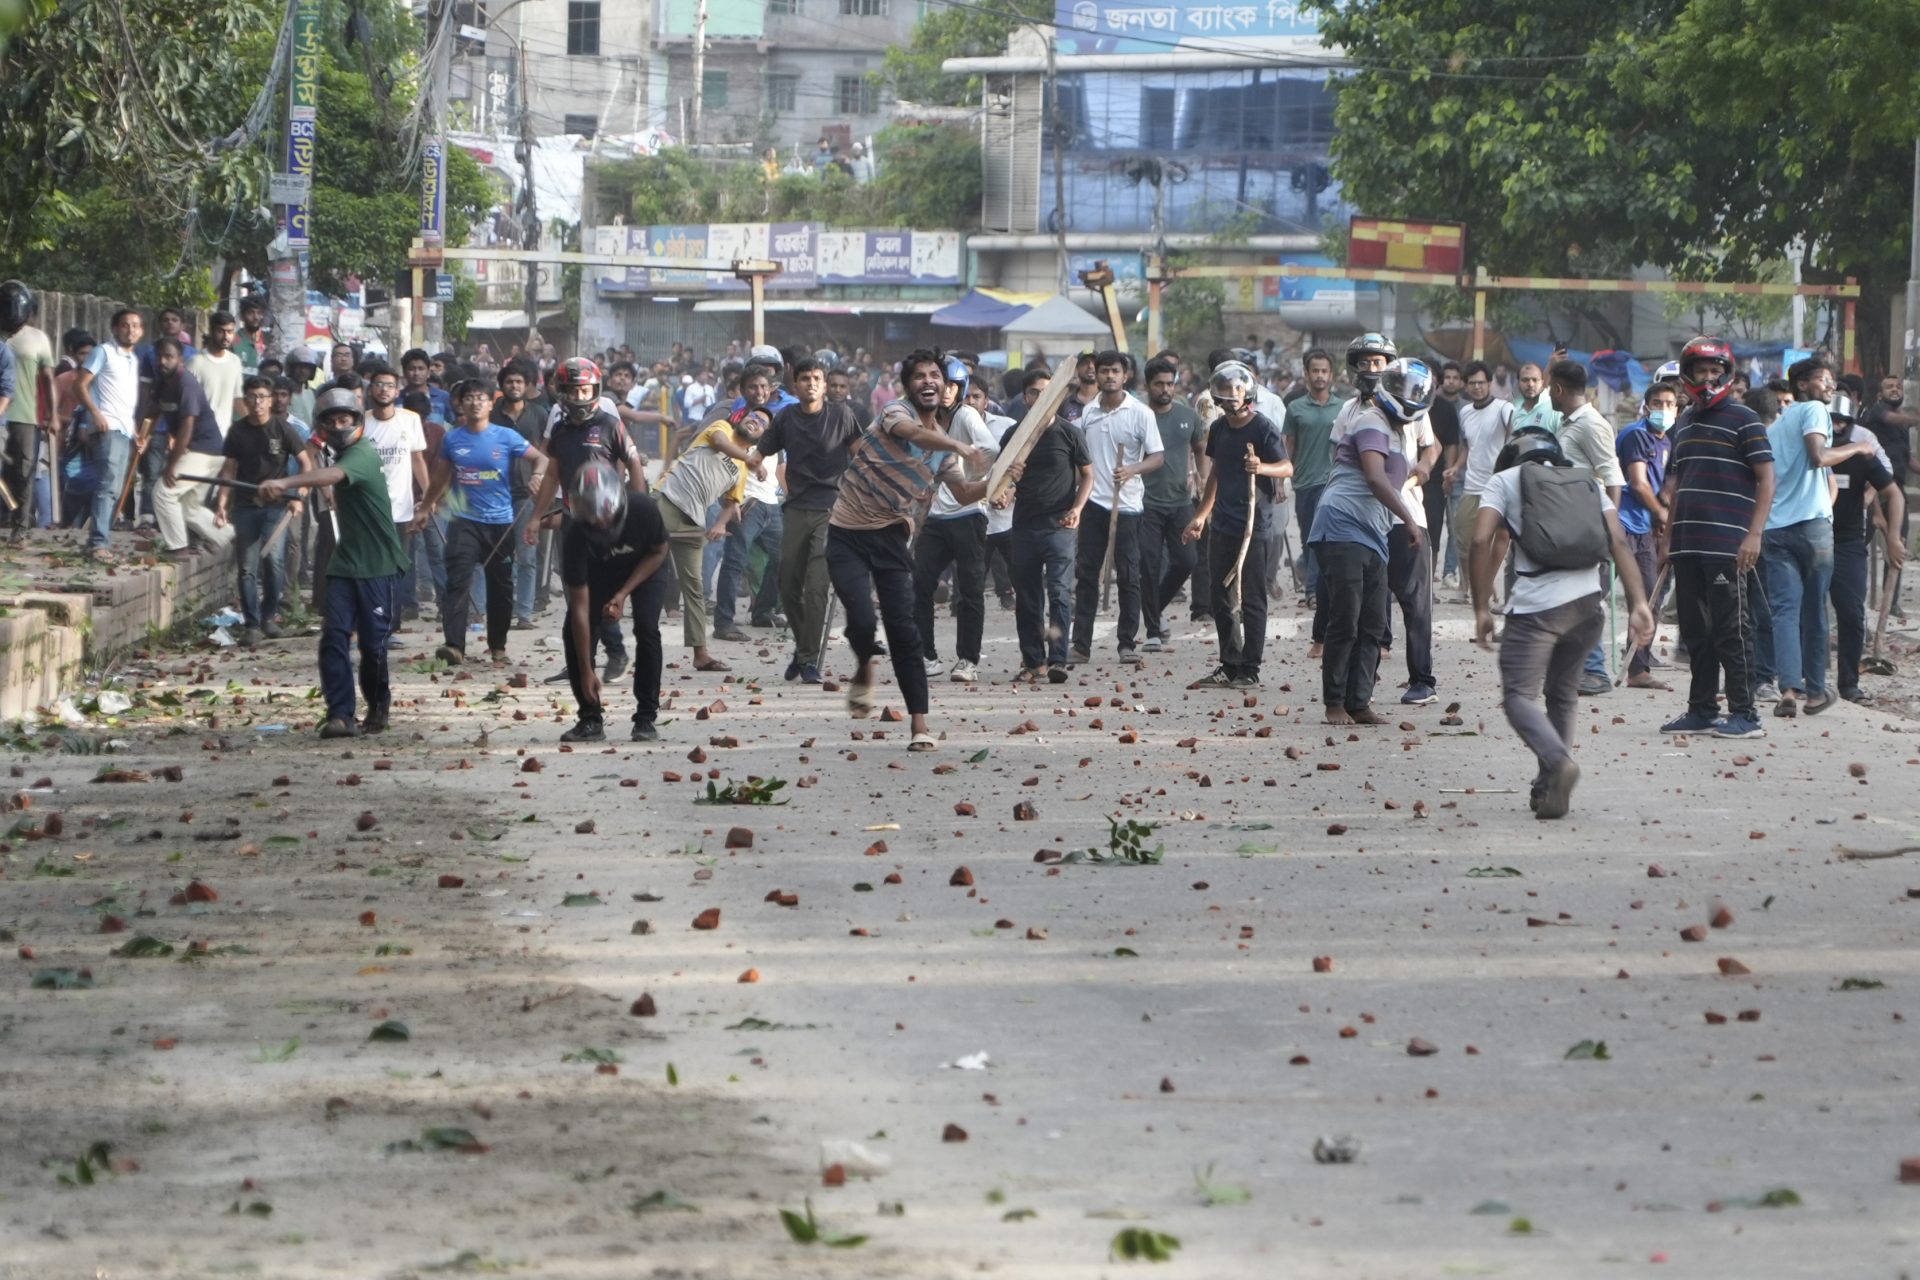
(699,70)
(291,251)
(1911,346)
(1054,128)
(530,209)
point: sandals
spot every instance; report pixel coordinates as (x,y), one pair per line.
(923,742)
(711,664)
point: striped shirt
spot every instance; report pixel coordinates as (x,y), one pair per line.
(887,477)
(1714,457)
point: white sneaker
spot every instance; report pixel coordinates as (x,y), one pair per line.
(964,672)
(1150,645)
(934,667)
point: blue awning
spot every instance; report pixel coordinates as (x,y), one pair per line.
(978,310)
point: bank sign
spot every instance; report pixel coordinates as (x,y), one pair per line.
(808,255)
(1109,26)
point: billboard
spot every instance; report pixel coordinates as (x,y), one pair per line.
(1407,246)
(808,255)
(1111,26)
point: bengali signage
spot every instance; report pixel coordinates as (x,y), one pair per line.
(433,193)
(808,255)
(1106,26)
(303,105)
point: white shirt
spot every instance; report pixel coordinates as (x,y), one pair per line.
(1414,437)
(220,377)
(699,399)
(967,426)
(1484,432)
(999,519)
(1132,431)
(116,385)
(398,439)
(1536,592)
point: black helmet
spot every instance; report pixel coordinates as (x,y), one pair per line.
(338,417)
(1231,386)
(1841,407)
(16,306)
(598,496)
(1530,444)
(1404,390)
(1368,344)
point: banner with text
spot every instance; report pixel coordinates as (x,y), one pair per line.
(808,256)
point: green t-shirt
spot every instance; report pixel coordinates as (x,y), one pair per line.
(1309,435)
(32,355)
(369,545)
(1167,487)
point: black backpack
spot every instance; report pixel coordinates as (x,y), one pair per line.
(1562,525)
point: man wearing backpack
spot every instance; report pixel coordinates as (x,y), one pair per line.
(1563,527)
(1586,437)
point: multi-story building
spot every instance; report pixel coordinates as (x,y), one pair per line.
(586,66)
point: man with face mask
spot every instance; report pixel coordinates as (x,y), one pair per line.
(1643,448)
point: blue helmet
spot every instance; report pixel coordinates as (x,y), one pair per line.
(954,369)
(1403,390)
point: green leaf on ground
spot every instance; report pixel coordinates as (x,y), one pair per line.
(1125,953)
(1137,1244)
(278,1053)
(673,1076)
(61,980)
(1249,848)
(391,1030)
(259,1208)
(1520,1227)
(1860,984)
(45,866)
(1777,1198)
(601,1057)
(582,900)
(663,1202)
(1019,1215)
(806,1230)
(1214,1194)
(392,949)
(143,948)
(1493,873)
(283,842)
(1588,1051)
(978,757)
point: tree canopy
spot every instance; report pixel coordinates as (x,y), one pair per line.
(1709,137)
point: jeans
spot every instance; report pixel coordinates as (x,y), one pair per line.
(1166,561)
(1305,502)
(1541,655)
(1596,661)
(803,580)
(263,572)
(1000,565)
(474,546)
(153,464)
(1646,558)
(644,605)
(1848,592)
(1453,531)
(1410,580)
(1042,559)
(862,562)
(526,561)
(711,556)
(960,541)
(1354,577)
(368,607)
(430,552)
(1710,597)
(1090,558)
(1240,655)
(111,453)
(1798,564)
(759,524)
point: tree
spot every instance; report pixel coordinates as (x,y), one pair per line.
(1708,137)
(954,31)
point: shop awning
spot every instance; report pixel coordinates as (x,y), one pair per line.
(829,306)
(987,309)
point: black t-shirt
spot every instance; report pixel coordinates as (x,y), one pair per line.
(531,423)
(1444,416)
(1051,476)
(260,453)
(1227,447)
(601,562)
(1859,480)
(816,446)
(1893,436)
(601,437)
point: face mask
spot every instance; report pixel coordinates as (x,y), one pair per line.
(1661,419)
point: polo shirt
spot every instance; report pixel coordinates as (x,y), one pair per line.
(1309,433)
(1640,443)
(1129,430)
(116,385)
(1799,487)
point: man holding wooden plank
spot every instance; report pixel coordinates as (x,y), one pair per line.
(1123,443)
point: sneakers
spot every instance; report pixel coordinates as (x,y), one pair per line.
(376,720)
(1691,722)
(1150,645)
(1218,678)
(251,637)
(793,670)
(450,655)
(558,677)
(616,666)
(644,731)
(273,630)
(774,621)
(1418,695)
(338,728)
(933,667)
(1768,692)
(1078,658)
(964,672)
(586,731)
(1593,684)
(1556,793)
(1243,681)
(810,674)
(1732,726)
(498,656)
(1057,674)
(1131,657)
(522,623)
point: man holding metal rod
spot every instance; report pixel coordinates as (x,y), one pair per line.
(259,447)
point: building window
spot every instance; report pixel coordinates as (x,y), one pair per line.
(787,8)
(713,88)
(863,8)
(783,93)
(583,28)
(582,124)
(1156,119)
(857,95)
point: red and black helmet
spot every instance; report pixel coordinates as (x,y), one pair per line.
(1704,394)
(573,373)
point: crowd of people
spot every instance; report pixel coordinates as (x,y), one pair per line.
(810,482)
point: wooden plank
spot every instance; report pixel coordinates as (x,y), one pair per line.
(1027,434)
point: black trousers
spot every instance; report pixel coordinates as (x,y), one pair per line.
(1000,564)
(644,606)
(1223,547)
(1848,592)
(864,561)
(960,541)
(1410,580)
(1166,561)
(1711,598)
(1354,578)
(1042,603)
(1089,557)
(489,549)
